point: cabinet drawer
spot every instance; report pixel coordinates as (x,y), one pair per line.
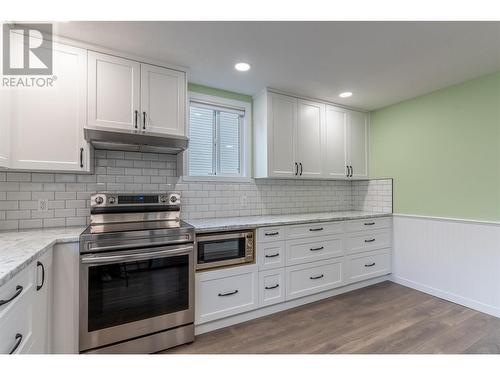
(310,250)
(312,230)
(16,327)
(368,224)
(312,278)
(20,287)
(372,240)
(271,255)
(270,234)
(225,292)
(271,287)
(367,265)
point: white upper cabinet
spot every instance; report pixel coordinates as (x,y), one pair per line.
(282,123)
(309,138)
(114,91)
(46,124)
(5,110)
(299,138)
(129,95)
(163,104)
(357,143)
(334,143)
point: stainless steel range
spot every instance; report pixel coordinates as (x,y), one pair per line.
(136,275)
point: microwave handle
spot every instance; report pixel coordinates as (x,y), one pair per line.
(98,259)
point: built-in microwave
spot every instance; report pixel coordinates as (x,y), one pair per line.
(224,249)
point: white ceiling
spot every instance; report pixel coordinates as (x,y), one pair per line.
(381,62)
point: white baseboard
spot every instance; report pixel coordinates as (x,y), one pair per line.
(455,298)
(254,314)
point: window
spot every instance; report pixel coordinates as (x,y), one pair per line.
(217,137)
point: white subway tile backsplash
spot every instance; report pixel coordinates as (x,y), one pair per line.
(69,194)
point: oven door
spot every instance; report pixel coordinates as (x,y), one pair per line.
(127,294)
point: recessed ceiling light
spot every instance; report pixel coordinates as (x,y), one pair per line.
(345,94)
(242,67)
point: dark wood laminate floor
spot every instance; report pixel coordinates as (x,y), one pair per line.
(383,318)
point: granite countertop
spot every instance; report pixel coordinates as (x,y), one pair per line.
(250,222)
(18,249)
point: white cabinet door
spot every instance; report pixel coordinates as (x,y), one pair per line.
(334,146)
(42,303)
(114,91)
(5,119)
(309,133)
(283,128)
(357,144)
(163,100)
(47,123)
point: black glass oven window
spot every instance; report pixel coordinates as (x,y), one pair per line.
(218,250)
(126,292)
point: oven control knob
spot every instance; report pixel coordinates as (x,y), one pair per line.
(173,199)
(111,200)
(99,200)
(163,199)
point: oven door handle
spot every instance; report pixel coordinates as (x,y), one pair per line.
(98,259)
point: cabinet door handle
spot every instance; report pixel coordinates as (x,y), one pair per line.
(19,338)
(370,223)
(352,171)
(301,168)
(296,169)
(272,287)
(40,264)
(370,264)
(272,256)
(317,248)
(19,289)
(370,240)
(143,120)
(81,157)
(271,234)
(347,171)
(136,115)
(228,294)
(316,277)
(316,229)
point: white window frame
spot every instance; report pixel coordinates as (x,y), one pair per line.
(245,142)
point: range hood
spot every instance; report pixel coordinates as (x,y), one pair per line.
(134,140)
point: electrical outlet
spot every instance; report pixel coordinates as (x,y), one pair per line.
(243,201)
(43,205)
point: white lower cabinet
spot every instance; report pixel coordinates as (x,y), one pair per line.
(367,265)
(306,279)
(271,287)
(25,310)
(294,262)
(225,292)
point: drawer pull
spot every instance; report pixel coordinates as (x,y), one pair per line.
(315,229)
(370,240)
(316,277)
(370,264)
(317,248)
(271,234)
(272,255)
(272,287)
(371,223)
(19,289)
(40,264)
(19,338)
(228,294)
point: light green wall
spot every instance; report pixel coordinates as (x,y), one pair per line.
(443,151)
(217,92)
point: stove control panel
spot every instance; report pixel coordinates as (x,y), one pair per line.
(146,199)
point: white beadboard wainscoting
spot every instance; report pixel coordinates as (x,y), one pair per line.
(457,260)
